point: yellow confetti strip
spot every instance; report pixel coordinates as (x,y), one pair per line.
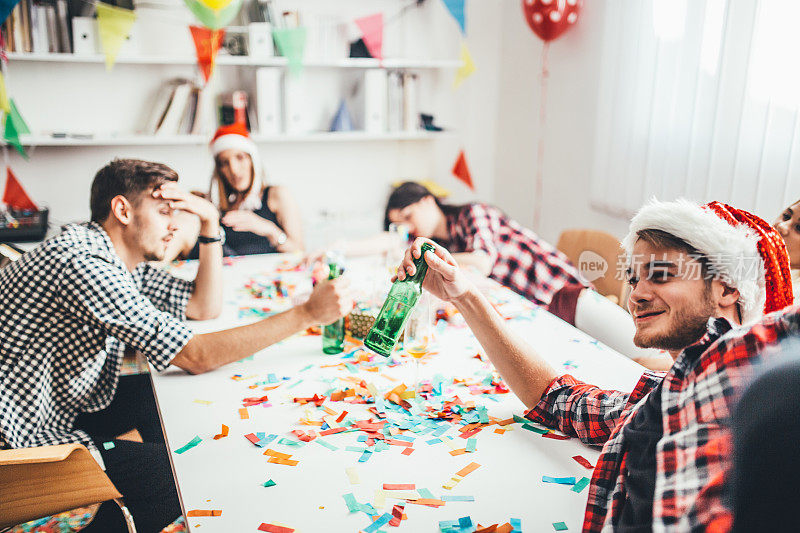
(352,475)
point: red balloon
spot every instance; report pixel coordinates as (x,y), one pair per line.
(550,18)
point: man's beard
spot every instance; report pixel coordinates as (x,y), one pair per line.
(688,326)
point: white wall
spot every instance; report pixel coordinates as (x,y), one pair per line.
(574,66)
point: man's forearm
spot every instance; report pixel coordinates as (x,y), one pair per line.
(206,300)
(525,372)
(212,350)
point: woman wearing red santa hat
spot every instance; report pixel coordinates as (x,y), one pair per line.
(257,218)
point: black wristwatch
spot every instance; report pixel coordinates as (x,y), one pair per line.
(220,238)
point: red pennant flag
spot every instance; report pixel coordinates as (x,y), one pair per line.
(207,43)
(461,170)
(372,33)
(15,196)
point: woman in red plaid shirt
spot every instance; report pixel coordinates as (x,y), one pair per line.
(483,237)
(695,273)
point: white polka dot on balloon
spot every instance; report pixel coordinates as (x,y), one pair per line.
(537,18)
(572,2)
(555,16)
(546,2)
(572,17)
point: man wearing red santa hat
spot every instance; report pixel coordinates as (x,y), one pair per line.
(696,272)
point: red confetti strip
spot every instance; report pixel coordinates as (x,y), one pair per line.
(554,436)
(272,528)
(397,515)
(399,486)
(583,461)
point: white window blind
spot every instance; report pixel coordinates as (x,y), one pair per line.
(700,99)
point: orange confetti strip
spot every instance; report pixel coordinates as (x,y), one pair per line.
(499,431)
(460,451)
(279,461)
(427,501)
(468,469)
(341,416)
(279,455)
(399,486)
(223,433)
(408,451)
(243,414)
(329,410)
(204,512)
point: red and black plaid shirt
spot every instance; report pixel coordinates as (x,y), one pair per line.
(692,456)
(520,259)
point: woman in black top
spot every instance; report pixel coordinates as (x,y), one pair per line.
(256,218)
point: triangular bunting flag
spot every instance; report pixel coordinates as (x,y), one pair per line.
(372,33)
(115,25)
(14,127)
(6,7)
(19,123)
(207,43)
(212,18)
(342,121)
(4,105)
(467,67)
(15,196)
(456,8)
(461,170)
(291,44)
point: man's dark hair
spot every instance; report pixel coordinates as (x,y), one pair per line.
(129,178)
(662,239)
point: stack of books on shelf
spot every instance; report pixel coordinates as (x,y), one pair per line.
(39,26)
(182,107)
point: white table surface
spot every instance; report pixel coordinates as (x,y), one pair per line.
(227,474)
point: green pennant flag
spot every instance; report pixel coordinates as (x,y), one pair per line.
(292,45)
(214,19)
(15,126)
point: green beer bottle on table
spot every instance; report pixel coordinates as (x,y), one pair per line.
(333,334)
(397,308)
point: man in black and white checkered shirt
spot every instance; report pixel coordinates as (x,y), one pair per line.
(67,307)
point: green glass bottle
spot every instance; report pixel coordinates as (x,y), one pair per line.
(397,308)
(333,334)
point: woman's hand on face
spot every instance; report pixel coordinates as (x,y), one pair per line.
(444,279)
(245,220)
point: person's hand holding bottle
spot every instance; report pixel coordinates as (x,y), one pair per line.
(444,279)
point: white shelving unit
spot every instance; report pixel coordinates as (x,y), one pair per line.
(227,60)
(81,116)
(178,140)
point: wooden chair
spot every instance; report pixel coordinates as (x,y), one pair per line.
(574,242)
(43,481)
